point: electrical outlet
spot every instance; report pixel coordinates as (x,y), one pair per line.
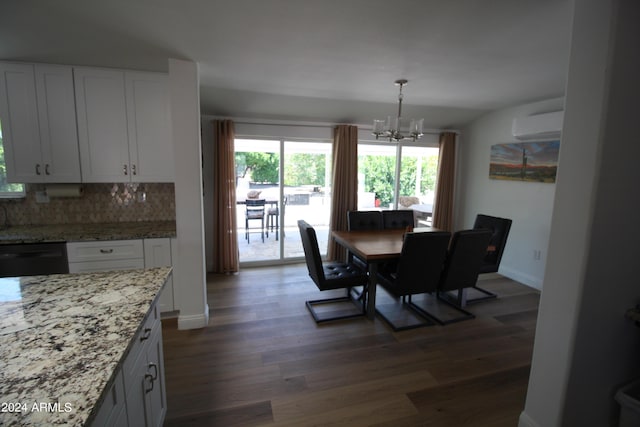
(42,197)
(537,254)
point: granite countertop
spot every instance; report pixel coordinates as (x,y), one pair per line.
(84,232)
(62,338)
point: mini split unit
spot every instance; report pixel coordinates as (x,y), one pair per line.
(538,126)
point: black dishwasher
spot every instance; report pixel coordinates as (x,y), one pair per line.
(30,259)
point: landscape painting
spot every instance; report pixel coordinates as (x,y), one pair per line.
(525,161)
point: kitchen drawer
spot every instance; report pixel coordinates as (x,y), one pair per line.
(104,250)
(108,265)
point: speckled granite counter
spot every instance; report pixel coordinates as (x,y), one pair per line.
(62,338)
(83,232)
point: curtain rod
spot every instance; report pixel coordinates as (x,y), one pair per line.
(271,122)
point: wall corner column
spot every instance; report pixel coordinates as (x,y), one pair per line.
(189,269)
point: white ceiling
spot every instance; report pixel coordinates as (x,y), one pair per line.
(315,60)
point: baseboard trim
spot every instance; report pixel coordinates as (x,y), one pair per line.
(194,321)
(526,421)
(526,279)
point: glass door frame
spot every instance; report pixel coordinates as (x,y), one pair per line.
(281,259)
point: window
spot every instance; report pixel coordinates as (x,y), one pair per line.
(7,190)
(397,176)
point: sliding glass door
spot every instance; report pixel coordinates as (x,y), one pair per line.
(293,178)
(307,193)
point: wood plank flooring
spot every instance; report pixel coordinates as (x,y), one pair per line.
(263,361)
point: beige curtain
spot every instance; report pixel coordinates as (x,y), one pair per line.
(443,205)
(225,241)
(344,185)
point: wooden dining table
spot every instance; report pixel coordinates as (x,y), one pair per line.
(374,247)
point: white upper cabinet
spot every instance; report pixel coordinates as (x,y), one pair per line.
(123,126)
(102,125)
(37,110)
(150,147)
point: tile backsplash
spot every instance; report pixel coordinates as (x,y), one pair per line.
(152,202)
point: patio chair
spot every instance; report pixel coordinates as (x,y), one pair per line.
(273,218)
(254,211)
(331,275)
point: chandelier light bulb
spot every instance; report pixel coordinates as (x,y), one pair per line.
(390,129)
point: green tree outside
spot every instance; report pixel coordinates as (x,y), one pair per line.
(261,167)
(305,169)
(379,175)
(310,169)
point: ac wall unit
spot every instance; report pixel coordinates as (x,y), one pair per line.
(538,126)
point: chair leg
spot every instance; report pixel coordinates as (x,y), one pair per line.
(347,298)
(404,309)
(487,295)
(447,300)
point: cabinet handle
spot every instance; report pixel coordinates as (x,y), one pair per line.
(46,169)
(133,169)
(155,370)
(106,251)
(37,168)
(150,378)
(124,169)
(146,334)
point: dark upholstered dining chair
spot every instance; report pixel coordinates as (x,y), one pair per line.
(364,220)
(418,271)
(331,275)
(461,269)
(400,218)
(499,228)
(254,211)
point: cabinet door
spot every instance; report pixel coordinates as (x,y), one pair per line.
(57,116)
(102,125)
(158,253)
(156,400)
(150,141)
(19,121)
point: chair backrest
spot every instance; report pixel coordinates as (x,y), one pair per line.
(395,219)
(364,220)
(311,252)
(499,228)
(255,205)
(420,262)
(464,259)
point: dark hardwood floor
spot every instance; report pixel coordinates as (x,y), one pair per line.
(263,361)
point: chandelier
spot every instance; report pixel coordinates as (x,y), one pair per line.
(390,128)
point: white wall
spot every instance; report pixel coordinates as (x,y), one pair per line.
(189,282)
(585,348)
(528,204)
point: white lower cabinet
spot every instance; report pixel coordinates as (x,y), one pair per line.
(159,252)
(113,411)
(87,257)
(95,256)
(137,397)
